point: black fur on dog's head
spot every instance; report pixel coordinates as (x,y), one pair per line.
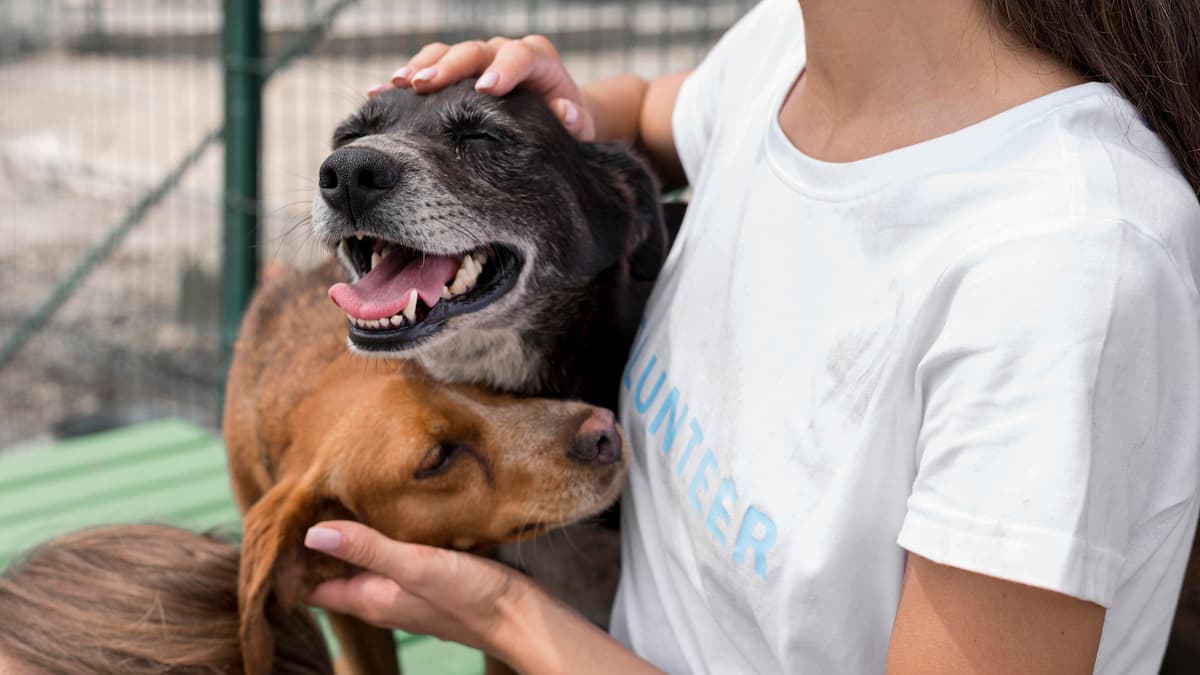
(458,178)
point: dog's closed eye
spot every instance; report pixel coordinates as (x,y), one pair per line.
(438,460)
(476,140)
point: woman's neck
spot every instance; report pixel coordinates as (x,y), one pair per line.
(881,75)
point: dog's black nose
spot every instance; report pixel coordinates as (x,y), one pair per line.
(353,179)
(597,440)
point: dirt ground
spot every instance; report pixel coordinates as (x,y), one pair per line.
(82,137)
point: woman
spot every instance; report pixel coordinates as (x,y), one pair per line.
(918,387)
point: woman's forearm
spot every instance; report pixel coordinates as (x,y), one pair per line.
(540,634)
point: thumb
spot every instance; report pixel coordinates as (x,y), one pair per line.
(575,117)
(360,545)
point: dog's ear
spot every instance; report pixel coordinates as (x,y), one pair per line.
(275,566)
(621,185)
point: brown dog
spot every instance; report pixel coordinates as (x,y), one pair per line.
(314,432)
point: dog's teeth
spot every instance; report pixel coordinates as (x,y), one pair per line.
(467,274)
(397,320)
(446,294)
(472,276)
(375,260)
(458,287)
(359,235)
(387,250)
(410,310)
(479,257)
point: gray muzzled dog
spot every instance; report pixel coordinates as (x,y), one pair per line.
(483,241)
(486,243)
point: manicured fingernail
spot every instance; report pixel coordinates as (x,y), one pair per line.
(376,89)
(323,539)
(488,79)
(424,74)
(571,114)
(402,73)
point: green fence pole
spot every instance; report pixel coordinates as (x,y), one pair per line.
(243,122)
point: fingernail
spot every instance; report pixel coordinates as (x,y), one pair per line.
(376,89)
(323,539)
(571,115)
(425,74)
(488,79)
(402,73)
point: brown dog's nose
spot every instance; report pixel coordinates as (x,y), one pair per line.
(597,440)
(353,179)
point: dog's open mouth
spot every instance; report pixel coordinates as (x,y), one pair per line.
(400,294)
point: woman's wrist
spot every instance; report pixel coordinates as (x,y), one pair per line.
(628,108)
(537,634)
(520,638)
(615,105)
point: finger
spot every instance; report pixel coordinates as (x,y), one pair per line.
(367,548)
(421,61)
(382,87)
(512,65)
(576,118)
(372,597)
(463,60)
(542,45)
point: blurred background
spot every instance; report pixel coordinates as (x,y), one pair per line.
(155,153)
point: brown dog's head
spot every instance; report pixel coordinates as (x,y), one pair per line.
(459,212)
(424,462)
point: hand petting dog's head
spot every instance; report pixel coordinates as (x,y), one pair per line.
(466,223)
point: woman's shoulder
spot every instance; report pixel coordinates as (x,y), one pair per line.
(1085,159)
(1122,171)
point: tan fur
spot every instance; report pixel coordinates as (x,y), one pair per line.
(314,432)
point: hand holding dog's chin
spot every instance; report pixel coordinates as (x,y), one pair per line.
(464,598)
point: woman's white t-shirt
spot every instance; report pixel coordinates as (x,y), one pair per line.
(984,349)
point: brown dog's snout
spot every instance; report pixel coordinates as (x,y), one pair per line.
(352,179)
(597,440)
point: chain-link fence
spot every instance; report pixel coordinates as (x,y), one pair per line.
(103,99)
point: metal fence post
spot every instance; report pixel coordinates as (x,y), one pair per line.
(243,122)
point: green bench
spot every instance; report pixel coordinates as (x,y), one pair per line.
(168,471)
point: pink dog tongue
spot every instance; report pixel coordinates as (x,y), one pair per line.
(384,291)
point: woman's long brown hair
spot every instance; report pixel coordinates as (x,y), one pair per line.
(1148,49)
(139,600)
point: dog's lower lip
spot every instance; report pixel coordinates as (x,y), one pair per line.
(501,277)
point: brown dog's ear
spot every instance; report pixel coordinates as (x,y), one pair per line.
(625,187)
(272,562)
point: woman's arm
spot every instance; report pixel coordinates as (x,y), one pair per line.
(460,597)
(956,622)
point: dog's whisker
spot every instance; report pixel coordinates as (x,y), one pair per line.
(289,205)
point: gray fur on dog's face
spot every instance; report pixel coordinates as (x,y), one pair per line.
(455,173)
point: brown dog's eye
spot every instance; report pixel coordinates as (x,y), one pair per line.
(437,460)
